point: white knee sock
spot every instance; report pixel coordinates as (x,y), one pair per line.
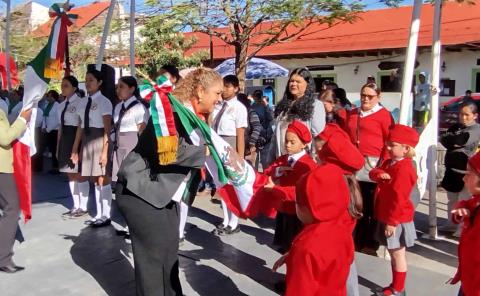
(183,218)
(233,223)
(83,191)
(106,197)
(74,192)
(225,214)
(98,201)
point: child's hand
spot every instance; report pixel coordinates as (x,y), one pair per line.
(279,262)
(384,176)
(460,213)
(389,230)
(269,184)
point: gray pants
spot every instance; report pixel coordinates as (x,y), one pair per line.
(10,206)
(352,281)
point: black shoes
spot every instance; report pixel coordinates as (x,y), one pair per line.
(11,268)
(101,223)
(74,213)
(222,230)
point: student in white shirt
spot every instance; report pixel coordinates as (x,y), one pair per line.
(230,122)
(129,120)
(50,125)
(69,125)
(96,117)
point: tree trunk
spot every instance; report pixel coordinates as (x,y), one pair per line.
(241,60)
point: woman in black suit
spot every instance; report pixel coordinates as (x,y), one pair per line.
(148,191)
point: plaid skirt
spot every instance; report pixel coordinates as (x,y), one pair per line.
(92,146)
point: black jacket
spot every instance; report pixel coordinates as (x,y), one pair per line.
(142,174)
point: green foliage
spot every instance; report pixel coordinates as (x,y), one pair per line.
(163,43)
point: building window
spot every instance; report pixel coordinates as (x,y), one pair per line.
(447,87)
(476,80)
(320,78)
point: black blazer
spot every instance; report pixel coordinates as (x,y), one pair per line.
(142,174)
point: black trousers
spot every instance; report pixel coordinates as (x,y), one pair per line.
(364,234)
(154,234)
(37,159)
(10,206)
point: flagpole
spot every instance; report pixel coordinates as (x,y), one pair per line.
(409,68)
(106,28)
(432,159)
(7,46)
(132,37)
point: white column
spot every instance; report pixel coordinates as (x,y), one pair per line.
(106,28)
(7,45)
(432,160)
(409,68)
(132,37)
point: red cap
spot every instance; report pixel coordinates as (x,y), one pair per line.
(325,192)
(301,130)
(404,135)
(474,162)
(339,149)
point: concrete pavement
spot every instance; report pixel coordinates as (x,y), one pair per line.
(64,257)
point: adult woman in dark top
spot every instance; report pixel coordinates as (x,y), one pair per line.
(148,192)
(461,142)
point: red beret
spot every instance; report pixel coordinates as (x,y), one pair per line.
(325,192)
(301,130)
(404,135)
(474,162)
(339,149)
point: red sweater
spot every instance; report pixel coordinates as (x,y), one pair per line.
(468,249)
(283,193)
(373,131)
(393,205)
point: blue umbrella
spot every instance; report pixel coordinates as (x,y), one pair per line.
(256,69)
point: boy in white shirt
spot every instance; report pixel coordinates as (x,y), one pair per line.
(230,122)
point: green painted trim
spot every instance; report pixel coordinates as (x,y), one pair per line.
(474,78)
(327,74)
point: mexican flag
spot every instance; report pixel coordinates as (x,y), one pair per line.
(37,77)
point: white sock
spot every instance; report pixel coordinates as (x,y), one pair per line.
(106,197)
(233,223)
(74,192)
(98,201)
(225,214)
(83,192)
(183,218)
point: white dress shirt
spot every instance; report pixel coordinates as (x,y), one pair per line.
(72,114)
(51,122)
(134,116)
(235,116)
(375,109)
(100,106)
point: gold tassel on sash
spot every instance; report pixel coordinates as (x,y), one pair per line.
(167,149)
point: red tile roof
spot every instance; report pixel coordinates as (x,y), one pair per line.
(374,30)
(85,15)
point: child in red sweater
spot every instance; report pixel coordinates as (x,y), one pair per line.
(283,174)
(394,210)
(467,211)
(319,260)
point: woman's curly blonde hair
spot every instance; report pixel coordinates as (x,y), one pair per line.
(186,88)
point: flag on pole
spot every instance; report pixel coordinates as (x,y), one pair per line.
(37,77)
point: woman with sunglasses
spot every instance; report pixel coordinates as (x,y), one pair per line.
(368,127)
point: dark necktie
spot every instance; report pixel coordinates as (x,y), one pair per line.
(87,116)
(216,123)
(290,161)
(62,117)
(117,125)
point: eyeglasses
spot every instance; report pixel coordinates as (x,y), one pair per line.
(365,96)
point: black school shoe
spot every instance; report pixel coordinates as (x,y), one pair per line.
(11,268)
(101,223)
(229,230)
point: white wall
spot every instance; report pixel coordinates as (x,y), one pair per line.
(459,66)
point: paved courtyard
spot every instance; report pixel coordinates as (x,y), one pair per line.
(65,257)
